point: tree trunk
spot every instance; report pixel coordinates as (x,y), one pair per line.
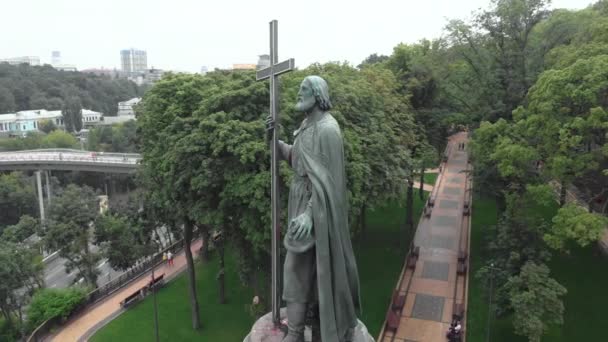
(89,276)
(7,316)
(362,223)
(188,226)
(410,206)
(221,275)
(562,194)
(205,237)
(421,192)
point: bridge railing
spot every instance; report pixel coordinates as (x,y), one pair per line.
(70,155)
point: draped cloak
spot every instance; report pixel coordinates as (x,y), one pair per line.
(320,155)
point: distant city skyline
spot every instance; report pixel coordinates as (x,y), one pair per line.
(187,34)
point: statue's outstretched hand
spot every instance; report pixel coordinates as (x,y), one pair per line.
(301,226)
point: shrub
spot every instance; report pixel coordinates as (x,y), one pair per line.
(50,303)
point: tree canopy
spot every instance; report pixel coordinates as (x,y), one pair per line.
(25,87)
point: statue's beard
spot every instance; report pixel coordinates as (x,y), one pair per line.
(306,105)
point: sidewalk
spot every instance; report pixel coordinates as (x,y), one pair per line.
(76,328)
(433,287)
(427,187)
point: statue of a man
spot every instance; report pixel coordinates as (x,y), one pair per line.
(320,263)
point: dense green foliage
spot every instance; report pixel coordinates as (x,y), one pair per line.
(545,103)
(116,138)
(34,140)
(384,247)
(205,157)
(70,230)
(25,87)
(20,271)
(580,271)
(50,303)
(17,198)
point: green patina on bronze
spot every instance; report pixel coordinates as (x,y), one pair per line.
(320,263)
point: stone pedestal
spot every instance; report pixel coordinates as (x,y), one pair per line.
(264,331)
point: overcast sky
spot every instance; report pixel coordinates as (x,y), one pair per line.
(184,35)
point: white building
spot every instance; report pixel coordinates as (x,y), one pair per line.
(65,67)
(29,120)
(113,120)
(31,60)
(7,122)
(126,107)
(90,117)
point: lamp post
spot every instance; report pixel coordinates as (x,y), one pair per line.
(154,298)
(218,241)
(492,268)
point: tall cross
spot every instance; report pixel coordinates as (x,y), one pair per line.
(272,72)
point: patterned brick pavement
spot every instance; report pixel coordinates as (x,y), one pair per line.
(432,288)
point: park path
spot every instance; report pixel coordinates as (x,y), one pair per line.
(430,285)
(76,328)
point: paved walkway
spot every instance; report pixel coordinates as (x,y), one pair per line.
(76,328)
(433,287)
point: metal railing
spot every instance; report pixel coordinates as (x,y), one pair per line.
(41,332)
(70,156)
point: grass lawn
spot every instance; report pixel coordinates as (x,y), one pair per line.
(429,178)
(380,256)
(582,272)
(228,322)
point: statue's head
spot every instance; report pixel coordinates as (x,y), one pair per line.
(313,91)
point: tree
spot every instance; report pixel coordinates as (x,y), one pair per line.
(72,114)
(46,126)
(372,59)
(206,158)
(51,303)
(17,198)
(536,301)
(26,87)
(59,139)
(25,228)
(70,231)
(122,240)
(574,224)
(7,101)
(163,175)
(21,271)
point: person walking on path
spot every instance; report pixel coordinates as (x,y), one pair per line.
(165,257)
(170,257)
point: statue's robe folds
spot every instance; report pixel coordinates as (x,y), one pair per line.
(317,158)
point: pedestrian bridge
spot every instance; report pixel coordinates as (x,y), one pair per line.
(69,160)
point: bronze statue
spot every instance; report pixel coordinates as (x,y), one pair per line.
(320,263)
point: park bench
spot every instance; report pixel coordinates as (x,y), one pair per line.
(416,251)
(466,211)
(462,256)
(157,282)
(141,293)
(427,211)
(392,320)
(132,298)
(398,301)
(411,262)
(458,313)
(462,268)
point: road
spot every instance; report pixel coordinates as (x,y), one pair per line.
(55,275)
